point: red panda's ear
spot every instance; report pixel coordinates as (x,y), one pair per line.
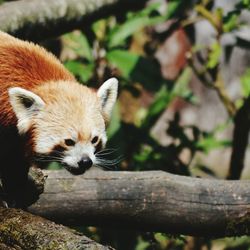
(25,105)
(108,94)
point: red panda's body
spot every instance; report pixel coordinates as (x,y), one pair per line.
(24,65)
(45,113)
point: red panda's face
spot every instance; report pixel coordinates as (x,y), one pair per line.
(73,142)
(67,121)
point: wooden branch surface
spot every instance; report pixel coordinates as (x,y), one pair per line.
(152,201)
(22,230)
(38,20)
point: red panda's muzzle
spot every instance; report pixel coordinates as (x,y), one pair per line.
(83,165)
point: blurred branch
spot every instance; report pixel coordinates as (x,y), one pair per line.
(240,140)
(209,16)
(152,201)
(221,91)
(21,230)
(214,18)
(212,82)
(39,20)
(212,78)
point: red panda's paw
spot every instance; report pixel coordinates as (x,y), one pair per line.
(30,193)
(24,195)
(3,198)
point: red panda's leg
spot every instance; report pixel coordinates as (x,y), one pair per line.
(19,190)
(13,167)
(14,179)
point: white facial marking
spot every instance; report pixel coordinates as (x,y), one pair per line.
(46,144)
(74,155)
(26,105)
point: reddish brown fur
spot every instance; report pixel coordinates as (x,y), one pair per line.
(26,65)
(68,110)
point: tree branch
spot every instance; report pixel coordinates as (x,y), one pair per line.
(39,20)
(152,201)
(240,141)
(213,82)
(21,230)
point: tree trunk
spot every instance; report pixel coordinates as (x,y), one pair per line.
(38,20)
(151,201)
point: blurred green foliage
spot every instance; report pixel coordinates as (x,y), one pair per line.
(124,46)
(104,50)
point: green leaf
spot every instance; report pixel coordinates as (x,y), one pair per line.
(246,3)
(162,99)
(134,23)
(136,68)
(140,20)
(214,55)
(121,33)
(173,7)
(123,60)
(83,71)
(210,142)
(99,28)
(162,239)
(243,4)
(231,21)
(144,155)
(142,244)
(181,88)
(245,83)
(78,42)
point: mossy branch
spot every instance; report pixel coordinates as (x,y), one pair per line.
(22,230)
(39,20)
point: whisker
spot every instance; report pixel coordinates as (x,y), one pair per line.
(113,149)
(107,163)
(49,158)
(58,152)
(104,167)
(45,160)
(102,154)
(117,160)
(107,150)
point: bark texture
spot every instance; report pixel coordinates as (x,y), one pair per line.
(152,201)
(24,231)
(38,20)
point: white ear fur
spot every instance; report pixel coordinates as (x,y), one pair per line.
(108,94)
(25,105)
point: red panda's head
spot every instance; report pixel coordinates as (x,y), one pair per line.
(67,121)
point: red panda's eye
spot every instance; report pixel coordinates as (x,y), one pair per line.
(69,142)
(94,140)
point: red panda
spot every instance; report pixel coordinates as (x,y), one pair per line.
(45,114)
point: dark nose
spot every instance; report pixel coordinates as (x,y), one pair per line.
(85,163)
